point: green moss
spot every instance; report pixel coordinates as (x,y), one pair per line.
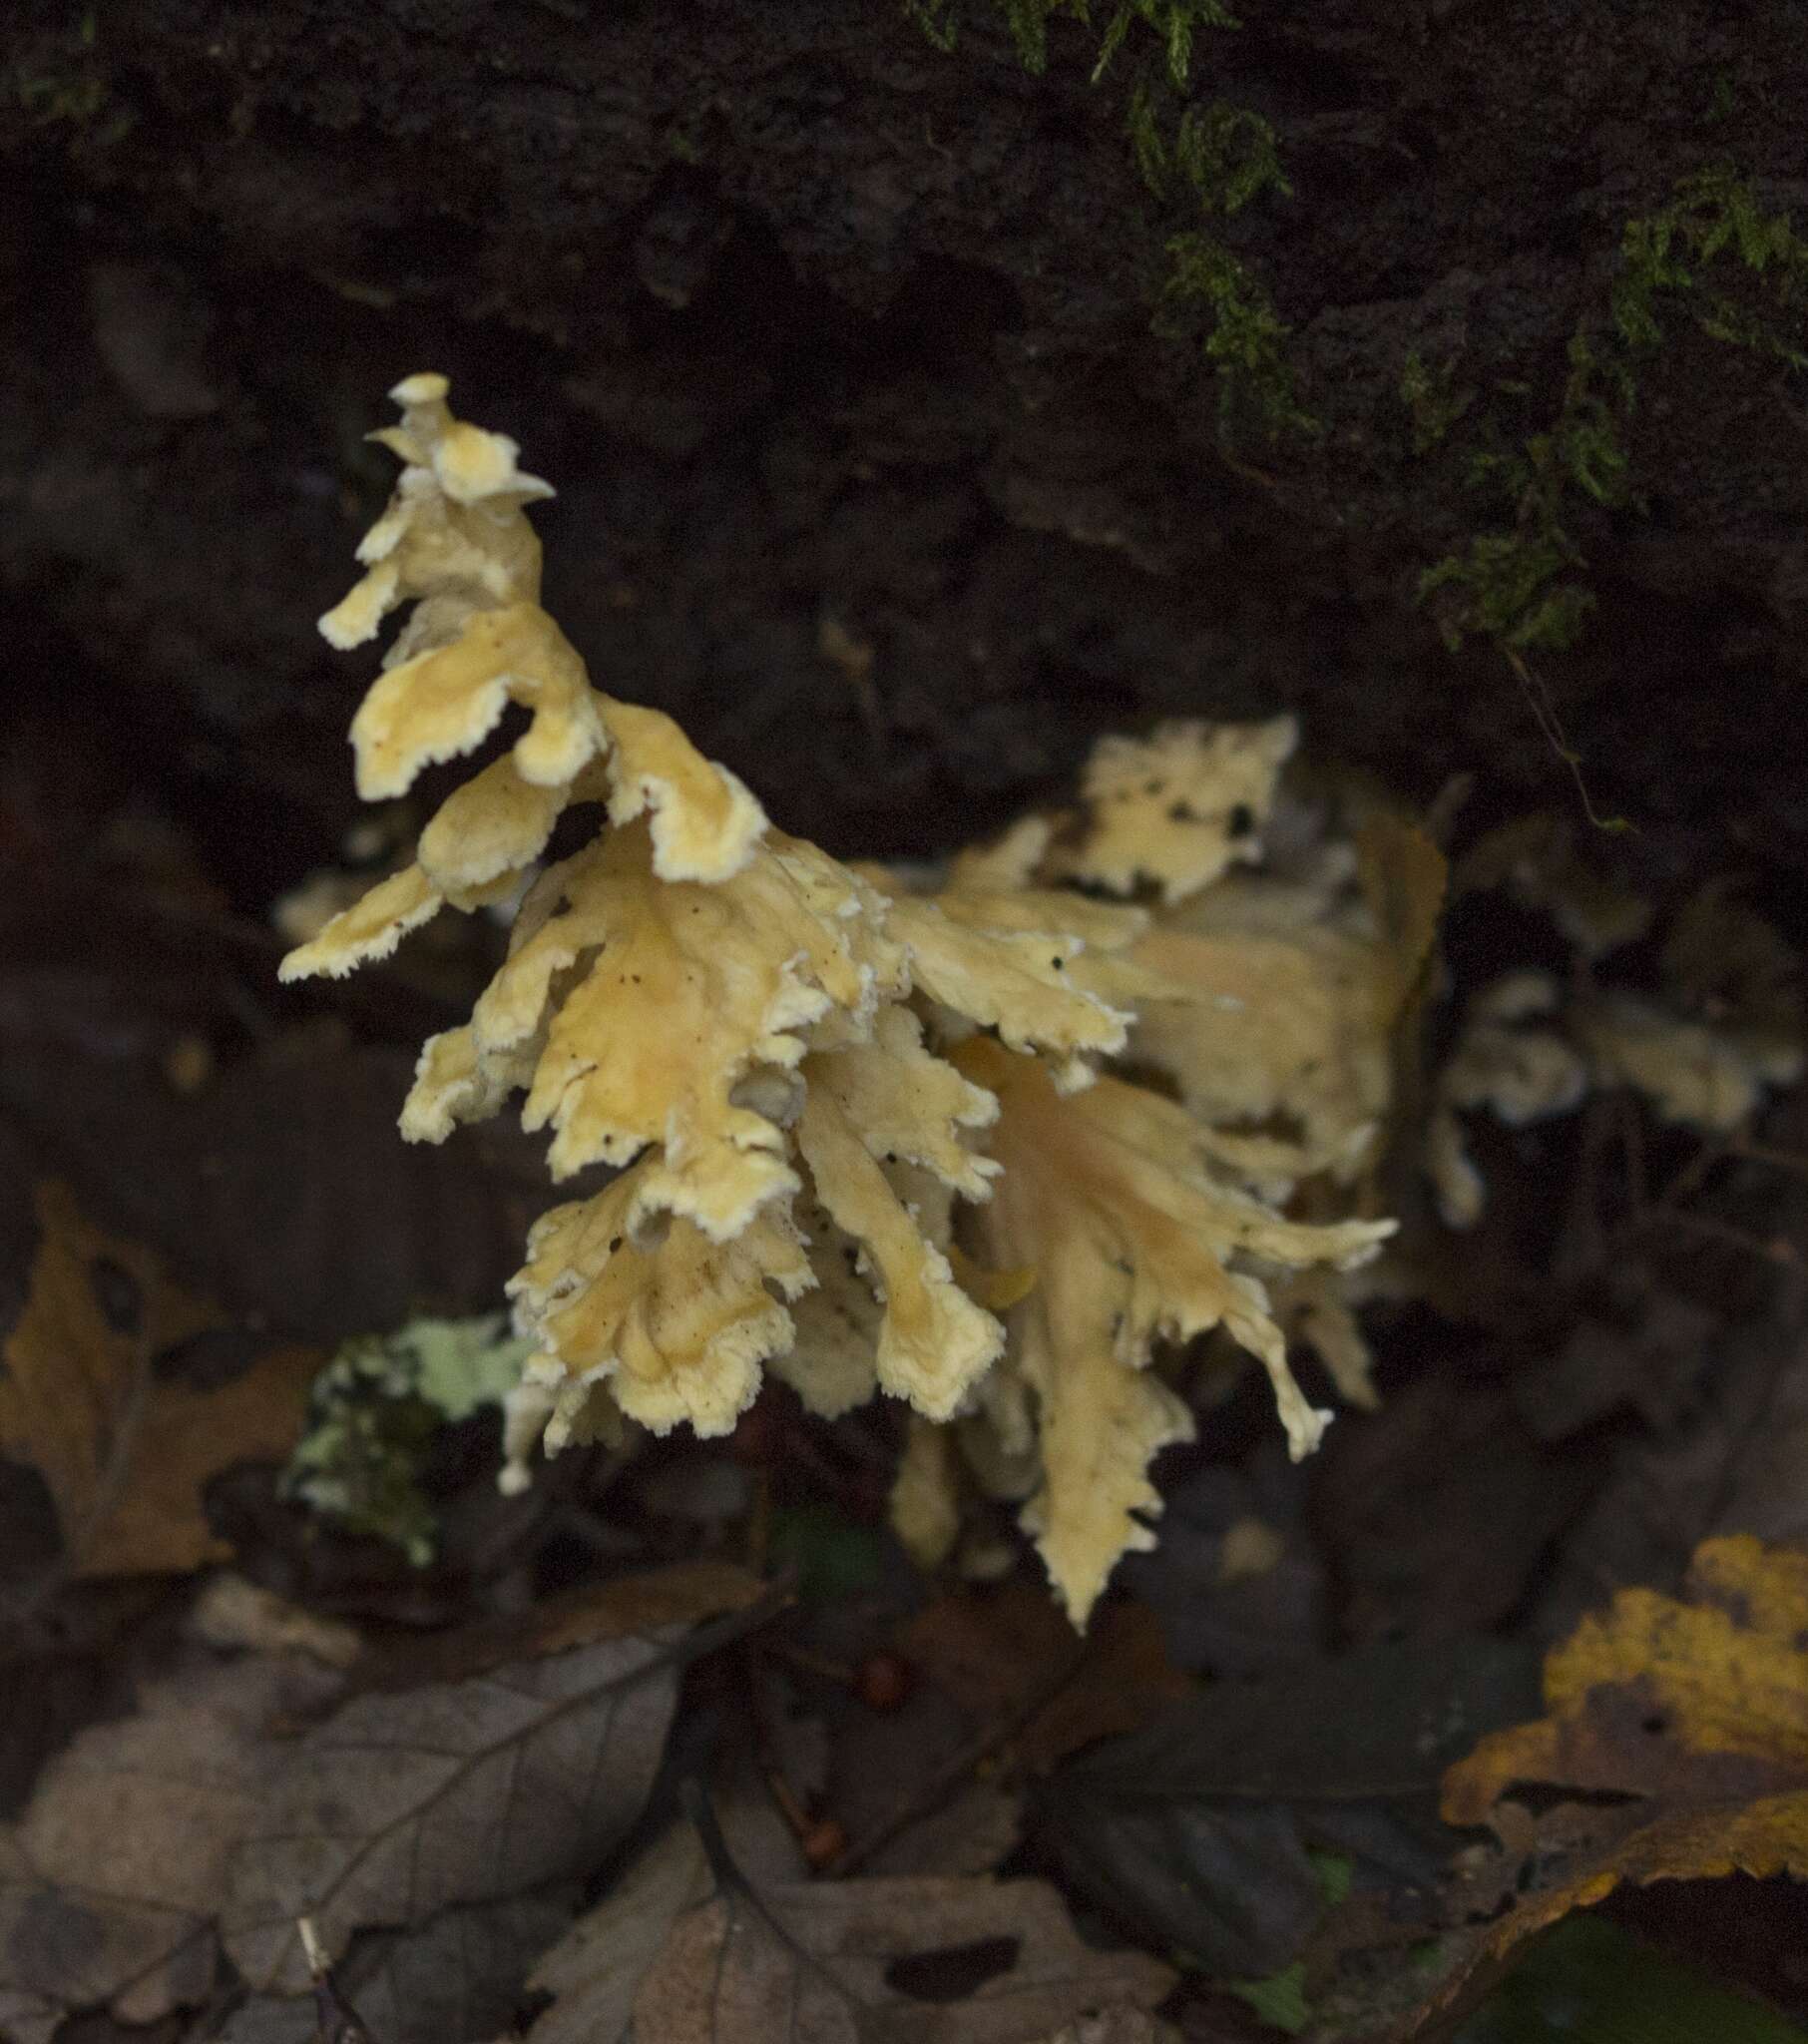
(59,81)
(1715,213)
(1174,23)
(1213,160)
(1432,400)
(1225,156)
(1711,257)
(1212,292)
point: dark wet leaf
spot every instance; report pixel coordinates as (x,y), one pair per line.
(1442,1507)
(1199,1829)
(1214,1614)
(1592,1980)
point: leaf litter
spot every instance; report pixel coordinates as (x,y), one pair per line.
(467,1777)
(207,1815)
(686,1951)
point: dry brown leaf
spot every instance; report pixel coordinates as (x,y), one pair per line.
(408,1803)
(111,1876)
(992,1650)
(679,1593)
(595,1972)
(1691,1714)
(398,1805)
(909,1961)
(124,1450)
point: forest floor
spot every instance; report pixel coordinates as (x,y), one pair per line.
(677,1746)
(900,458)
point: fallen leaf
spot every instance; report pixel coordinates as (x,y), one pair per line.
(277,1189)
(683,1593)
(909,1961)
(1398,1500)
(1219,1613)
(1119,2025)
(935,1787)
(1685,1719)
(1730,1461)
(1202,1829)
(109,1879)
(1698,1704)
(457,1980)
(235,1615)
(92,1398)
(28,2018)
(594,1970)
(1592,1979)
(399,1805)
(407,1803)
(907,1780)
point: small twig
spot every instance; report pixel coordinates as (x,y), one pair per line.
(766,1747)
(953,1773)
(1536,691)
(335,2020)
(735,1886)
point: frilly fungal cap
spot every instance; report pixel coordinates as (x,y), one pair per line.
(853,1127)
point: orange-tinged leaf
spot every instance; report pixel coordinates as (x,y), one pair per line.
(124,1451)
(1766,1838)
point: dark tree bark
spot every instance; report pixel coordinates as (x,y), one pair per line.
(839,349)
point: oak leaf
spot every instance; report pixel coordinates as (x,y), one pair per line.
(123,1448)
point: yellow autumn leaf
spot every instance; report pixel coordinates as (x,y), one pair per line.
(1695,1707)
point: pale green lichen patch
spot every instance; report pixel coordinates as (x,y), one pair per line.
(373,1413)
